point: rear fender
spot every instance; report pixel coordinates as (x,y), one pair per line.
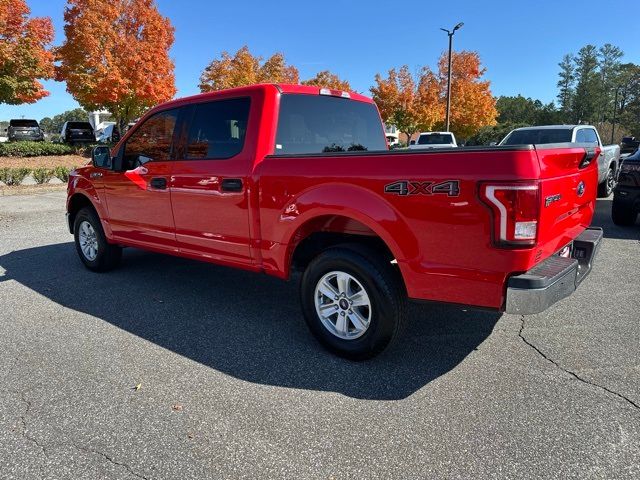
(296,220)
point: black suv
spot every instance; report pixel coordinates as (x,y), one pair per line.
(75,133)
(626,196)
(20,129)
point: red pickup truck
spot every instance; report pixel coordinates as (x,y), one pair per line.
(278,178)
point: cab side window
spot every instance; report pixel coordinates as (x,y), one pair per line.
(590,136)
(217,129)
(152,141)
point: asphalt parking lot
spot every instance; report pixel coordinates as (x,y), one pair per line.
(231,385)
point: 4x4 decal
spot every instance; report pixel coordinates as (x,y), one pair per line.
(403,188)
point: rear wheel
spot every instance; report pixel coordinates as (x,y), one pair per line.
(606,188)
(353,301)
(623,214)
(91,243)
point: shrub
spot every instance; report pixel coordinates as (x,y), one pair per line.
(42,175)
(13,176)
(62,173)
(33,149)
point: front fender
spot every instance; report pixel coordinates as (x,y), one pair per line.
(79,186)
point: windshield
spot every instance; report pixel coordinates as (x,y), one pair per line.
(321,124)
(23,123)
(79,125)
(539,136)
(435,139)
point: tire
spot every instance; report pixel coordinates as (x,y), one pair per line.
(91,243)
(623,215)
(606,188)
(356,332)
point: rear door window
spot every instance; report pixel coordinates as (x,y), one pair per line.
(322,124)
(590,136)
(218,129)
(152,141)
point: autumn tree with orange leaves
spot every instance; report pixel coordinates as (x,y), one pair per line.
(25,56)
(116,56)
(472,104)
(244,68)
(326,79)
(411,104)
(418,103)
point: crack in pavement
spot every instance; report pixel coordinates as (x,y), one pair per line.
(574,375)
(43,447)
(110,459)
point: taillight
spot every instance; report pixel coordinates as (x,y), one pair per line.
(515,208)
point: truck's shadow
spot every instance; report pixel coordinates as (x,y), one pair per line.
(245,325)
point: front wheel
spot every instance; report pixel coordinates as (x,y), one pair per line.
(353,301)
(91,243)
(606,188)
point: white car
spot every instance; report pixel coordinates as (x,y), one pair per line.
(434,140)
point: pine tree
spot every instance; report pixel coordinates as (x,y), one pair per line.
(588,90)
(566,84)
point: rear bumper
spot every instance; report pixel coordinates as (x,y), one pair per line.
(555,278)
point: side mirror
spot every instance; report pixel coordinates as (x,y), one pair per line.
(493,144)
(412,142)
(101,157)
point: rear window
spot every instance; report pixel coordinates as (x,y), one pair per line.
(321,124)
(23,123)
(80,125)
(542,136)
(435,139)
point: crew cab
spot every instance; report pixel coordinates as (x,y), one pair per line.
(608,160)
(284,178)
(433,140)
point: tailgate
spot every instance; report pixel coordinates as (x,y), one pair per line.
(568,188)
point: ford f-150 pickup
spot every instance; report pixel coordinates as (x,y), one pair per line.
(283,178)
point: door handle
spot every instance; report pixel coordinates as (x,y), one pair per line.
(158,183)
(231,185)
(95,174)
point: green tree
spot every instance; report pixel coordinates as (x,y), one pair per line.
(609,64)
(519,109)
(589,85)
(54,125)
(493,133)
(566,86)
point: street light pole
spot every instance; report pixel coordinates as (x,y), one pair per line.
(450,34)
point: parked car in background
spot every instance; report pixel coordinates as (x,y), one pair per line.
(626,195)
(608,161)
(27,130)
(434,140)
(108,134)
(629,145)
(75,133)
(265,178)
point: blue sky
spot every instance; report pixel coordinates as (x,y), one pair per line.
(520,43)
